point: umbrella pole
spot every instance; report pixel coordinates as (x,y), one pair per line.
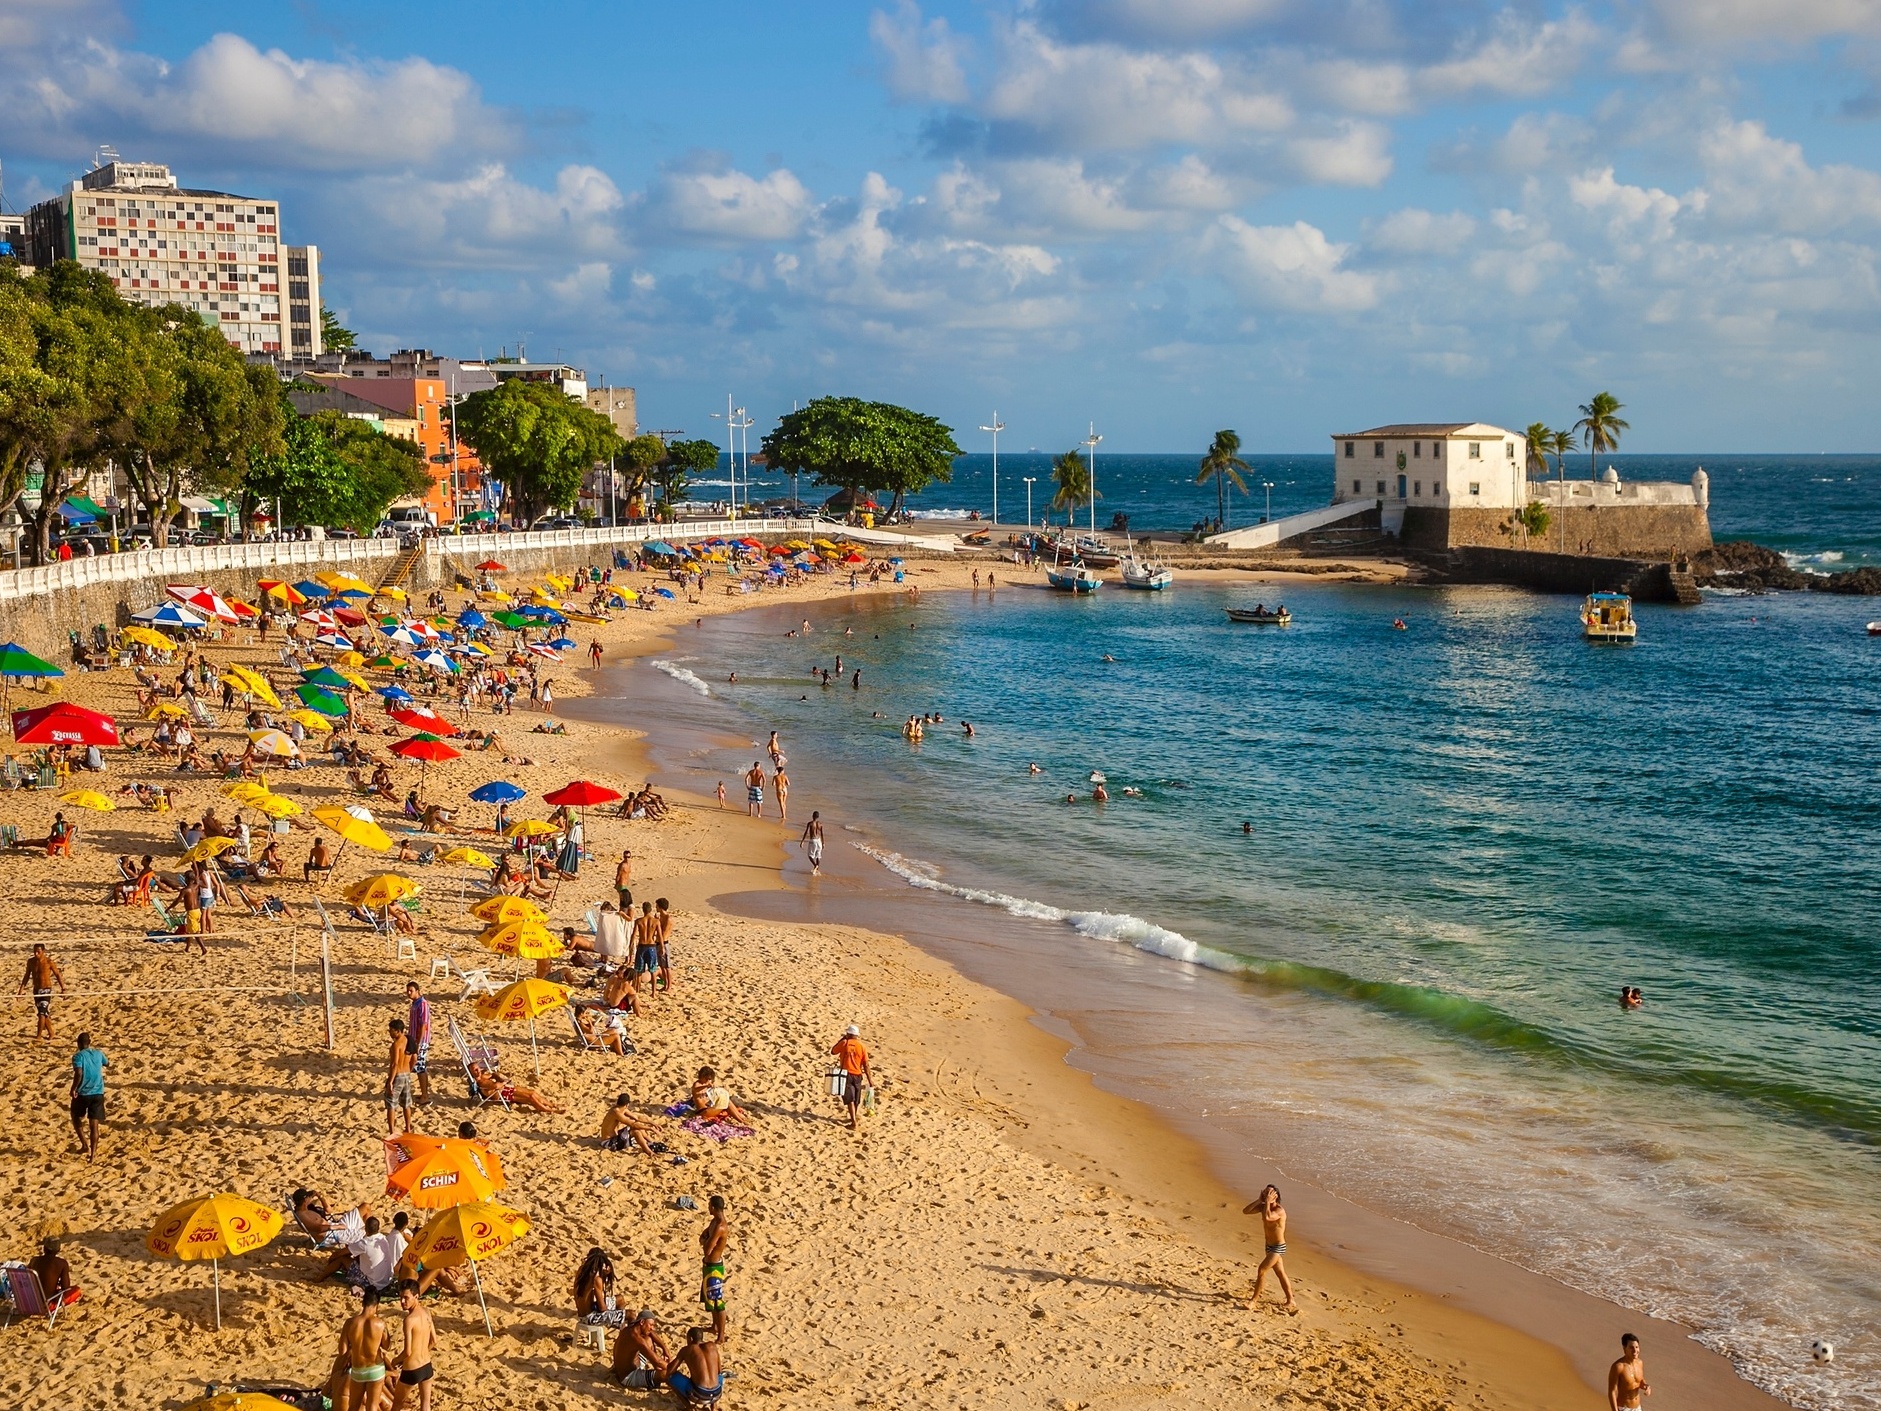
(535,1058)
(216,1266)
(477,1279)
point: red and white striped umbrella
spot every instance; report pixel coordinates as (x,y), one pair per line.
(205,600)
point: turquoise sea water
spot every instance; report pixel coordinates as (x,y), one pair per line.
(1465,837)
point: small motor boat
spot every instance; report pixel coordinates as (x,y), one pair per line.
(1874,629)
(1278,617)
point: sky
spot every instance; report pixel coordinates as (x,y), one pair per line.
(1164,217)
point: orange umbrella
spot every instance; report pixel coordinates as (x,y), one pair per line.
(438,1174)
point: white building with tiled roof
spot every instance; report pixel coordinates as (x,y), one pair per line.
(1435,465)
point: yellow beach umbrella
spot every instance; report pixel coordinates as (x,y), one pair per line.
(573,616)
(349,659)
(353,828)
(239,1401)
(275,806)
(311,720)
(530,828)
(148,637)
(494,595)
(274,742)
(245,791)
(210,847)
(467,1234)
(88,798)
(526,940)
(166,710)
(382,890)
(358,681)
(396,594)
(467,857)
(508,909)
(520,1000)
(254,685)
(211,1227)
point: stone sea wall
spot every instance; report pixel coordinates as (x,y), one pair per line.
(1617,531)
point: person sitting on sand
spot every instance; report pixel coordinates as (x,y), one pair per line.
(641,1348)
(55,1275)
(493,1085)
(697,1376)
(594,1292)
(270,863)
(620,1126)
(435,817)
(714,1103)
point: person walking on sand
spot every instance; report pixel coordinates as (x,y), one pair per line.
(812,841)
(397,1076)
(624,879)
(1626,1379)
(362,1344)
(721,793)
(714,1241)
(754,790)
(854,1059)
(594,654)
(1274,1230)
(663,933)
(418,1039)
(42,973)
(88,1094)
(780,783)
(414,1362)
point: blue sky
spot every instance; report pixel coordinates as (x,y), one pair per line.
(1286,216)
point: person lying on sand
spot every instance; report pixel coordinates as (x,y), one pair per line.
(713,1102)
(492,1084)
(620,1126)
(310,1213)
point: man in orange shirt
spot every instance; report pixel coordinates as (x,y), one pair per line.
(854,1059)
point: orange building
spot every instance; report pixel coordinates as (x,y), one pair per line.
(418,407)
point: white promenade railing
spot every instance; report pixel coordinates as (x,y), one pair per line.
(189,565)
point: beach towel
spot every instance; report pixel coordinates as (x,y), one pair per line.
(720,1131)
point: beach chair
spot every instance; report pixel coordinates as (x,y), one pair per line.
(9,835)
(10,773)
(29,1299)
(588,1045)
(61,845)
(475,982)
(46,778)
(483,1054)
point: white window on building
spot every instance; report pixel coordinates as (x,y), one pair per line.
(1476,450)
(1476,487)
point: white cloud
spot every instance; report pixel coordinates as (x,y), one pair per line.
(1355,154)
(1412,231)
(1707,22)
(484,217)
(1628,208)
(733,205)
(1293,267)
(1763,182)
(921,63)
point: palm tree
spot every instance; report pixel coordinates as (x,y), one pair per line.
(1073,479)
(1601,427)
(1539,438)
(1558,445)
(1223,465)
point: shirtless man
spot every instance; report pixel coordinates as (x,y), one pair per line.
(362,1344)
(714,1240)
(1274,1228)
(1626,1379)
(812,841)
(662,937)
(414,1363)
(398,1076)
(42,973)
(624,880)
(640,1342)
(646,938)
(620,1127)
(754,790)
(697,1377)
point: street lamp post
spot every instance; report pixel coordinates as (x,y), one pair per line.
(731,450)
(744,423)
(1090,444)
(997,427)
(1028,500)
(1268,486)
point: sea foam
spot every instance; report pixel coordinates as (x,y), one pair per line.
(1101,925)
(683,676)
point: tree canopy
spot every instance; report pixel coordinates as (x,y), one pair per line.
(1072,476)
(683,460)
(1224,466)
(334,336)
(538,441)
(850,444)
(335,469)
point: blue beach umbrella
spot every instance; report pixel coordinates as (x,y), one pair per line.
(472,619)
(312,591)
(395,693)
(498,791)
(404,636)
(436,660)
(664,592)
(562,644)
(336,640)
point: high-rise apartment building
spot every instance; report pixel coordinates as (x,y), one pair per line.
(303,302)
(212,251)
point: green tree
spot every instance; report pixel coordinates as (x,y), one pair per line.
(538,441)
(24,383)
(678,464)
(1224,466)
(334,336)
(1072,476)
(332,469)
(638,459)
(1540,439)
(878,447)
(1600,427)
(1534,518)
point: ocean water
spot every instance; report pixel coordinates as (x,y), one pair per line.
(1824,511)
(1465,837)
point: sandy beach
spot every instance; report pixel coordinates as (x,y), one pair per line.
(1000,1233)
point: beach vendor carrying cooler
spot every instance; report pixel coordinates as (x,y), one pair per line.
(851,1079)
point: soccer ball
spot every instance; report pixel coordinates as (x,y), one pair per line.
(1822,1350)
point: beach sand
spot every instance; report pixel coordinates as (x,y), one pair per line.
(1001,1233)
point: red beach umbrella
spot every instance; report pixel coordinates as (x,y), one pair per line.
(854,558)
(352,617)
(581,794)
(418,718)
(64,724)
(430,751)
(492,566)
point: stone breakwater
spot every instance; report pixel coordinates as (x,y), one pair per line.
(1744,565)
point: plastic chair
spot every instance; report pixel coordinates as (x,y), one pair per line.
(440,967)
(29,1299)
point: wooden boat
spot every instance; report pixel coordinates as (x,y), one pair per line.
(1608,617)
(1279,617)
(1142,573)
(1073,577)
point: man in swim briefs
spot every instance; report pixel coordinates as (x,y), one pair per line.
(1274,1230)
(42,973)
(1626,1379)
(414,1375)
(362,1344)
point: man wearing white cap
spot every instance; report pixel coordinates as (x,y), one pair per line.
(854,1059)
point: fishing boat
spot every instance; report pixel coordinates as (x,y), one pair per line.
(1261,616)
(1608,617)
(1142,573)
(1072,577)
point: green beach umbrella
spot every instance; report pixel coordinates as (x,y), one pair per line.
(326,676)
(15,660)
(515,621)
(320,699)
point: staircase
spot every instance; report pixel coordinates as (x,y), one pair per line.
(401,567)
(1684,586)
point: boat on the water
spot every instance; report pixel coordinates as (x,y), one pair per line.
(1072,577)
(1608,617)
(1261,616)
(1145,573)
(1874,629)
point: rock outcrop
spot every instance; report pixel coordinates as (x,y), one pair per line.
(1741,564)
